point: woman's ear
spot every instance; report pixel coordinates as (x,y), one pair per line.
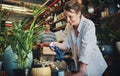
(79,13)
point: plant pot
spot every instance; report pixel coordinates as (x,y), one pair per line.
(9,63)
(118,46)
(61,73)
(57,73)
(54,73)
(41,71)
(112,8)
(21,72)
(106,49)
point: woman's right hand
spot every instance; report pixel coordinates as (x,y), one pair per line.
(54,44)
(61,46)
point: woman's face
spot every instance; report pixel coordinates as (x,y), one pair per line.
(72,17)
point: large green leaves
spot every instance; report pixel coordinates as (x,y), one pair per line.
(22,40)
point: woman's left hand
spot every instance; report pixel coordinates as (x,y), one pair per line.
(82,70)
(78,74)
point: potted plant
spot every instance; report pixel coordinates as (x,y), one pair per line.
(106,38)
(3,35)
(117,41)
(21,41)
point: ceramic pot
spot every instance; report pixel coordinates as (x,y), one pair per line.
(112,8)
(9,63)
(106,49)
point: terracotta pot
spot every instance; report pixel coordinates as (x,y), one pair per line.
(42,71)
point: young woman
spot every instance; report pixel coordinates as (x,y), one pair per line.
(81,39)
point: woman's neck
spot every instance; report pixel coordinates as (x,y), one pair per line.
(76,26)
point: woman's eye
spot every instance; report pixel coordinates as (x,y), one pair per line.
(65,16)
(70,17)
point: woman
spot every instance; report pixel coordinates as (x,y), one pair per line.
(81,39)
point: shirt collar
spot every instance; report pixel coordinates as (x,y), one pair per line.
(81,23)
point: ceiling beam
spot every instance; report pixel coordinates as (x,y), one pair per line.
(17,9)
(21,9)
(21,3)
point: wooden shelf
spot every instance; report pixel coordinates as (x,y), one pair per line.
(59,28)
(112,21)
(58,20)
(110,16)
(58,8)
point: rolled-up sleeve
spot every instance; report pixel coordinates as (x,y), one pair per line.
(67,40)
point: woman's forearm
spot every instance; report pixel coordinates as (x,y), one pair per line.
(82,70)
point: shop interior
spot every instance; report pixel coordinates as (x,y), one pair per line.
(28,17)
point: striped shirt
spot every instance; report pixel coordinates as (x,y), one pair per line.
(44,37)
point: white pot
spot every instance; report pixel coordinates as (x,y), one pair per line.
(118,46)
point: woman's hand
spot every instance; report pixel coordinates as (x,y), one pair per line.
(61,46)
(82,70)
(54,44)
(78,74)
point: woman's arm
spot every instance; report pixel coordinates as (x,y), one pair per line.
(82,70)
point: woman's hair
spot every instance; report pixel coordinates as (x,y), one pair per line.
(72,5)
